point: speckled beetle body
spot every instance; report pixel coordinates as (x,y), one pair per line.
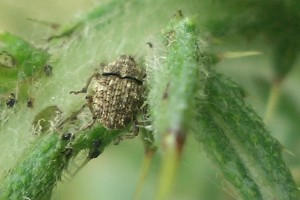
(117,93)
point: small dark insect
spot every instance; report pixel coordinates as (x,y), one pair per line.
(178,14)
(30,102)
(96,143)
(150,44)
(117,94)
(68,151)
(94,151)
(11,101)
(94,154)
(48,70)
(67,136)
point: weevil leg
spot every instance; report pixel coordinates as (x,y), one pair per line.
(146,124)
(71,117)
(89,125)
(135,129)
(133,133)
(88,82)
(89,104)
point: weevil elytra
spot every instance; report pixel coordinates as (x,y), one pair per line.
(117,94)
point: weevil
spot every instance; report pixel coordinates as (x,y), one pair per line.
(117,93)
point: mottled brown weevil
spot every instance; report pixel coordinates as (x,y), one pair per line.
(117,94)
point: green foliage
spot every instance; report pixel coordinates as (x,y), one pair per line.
(186,95)
(236,138)
(21,62)
(39,169)
(172,88)
(172,85)
(27,58)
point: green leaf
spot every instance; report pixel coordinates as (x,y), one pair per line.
(249,157)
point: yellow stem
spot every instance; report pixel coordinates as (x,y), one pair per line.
(273,100)
(169,166)
(144,172)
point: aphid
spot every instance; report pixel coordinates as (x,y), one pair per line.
(68,151)
(179,12)
(94,151)
(11,101)
(30,102)
(67,136)
(150,44)
(117,94)
(48,70)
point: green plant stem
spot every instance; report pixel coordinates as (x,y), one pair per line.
(171,96)
(146,163)
(38,171)
(273,100)
(150,149)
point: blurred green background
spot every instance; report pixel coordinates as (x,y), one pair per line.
(114,174)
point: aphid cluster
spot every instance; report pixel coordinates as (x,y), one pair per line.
(117,94)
